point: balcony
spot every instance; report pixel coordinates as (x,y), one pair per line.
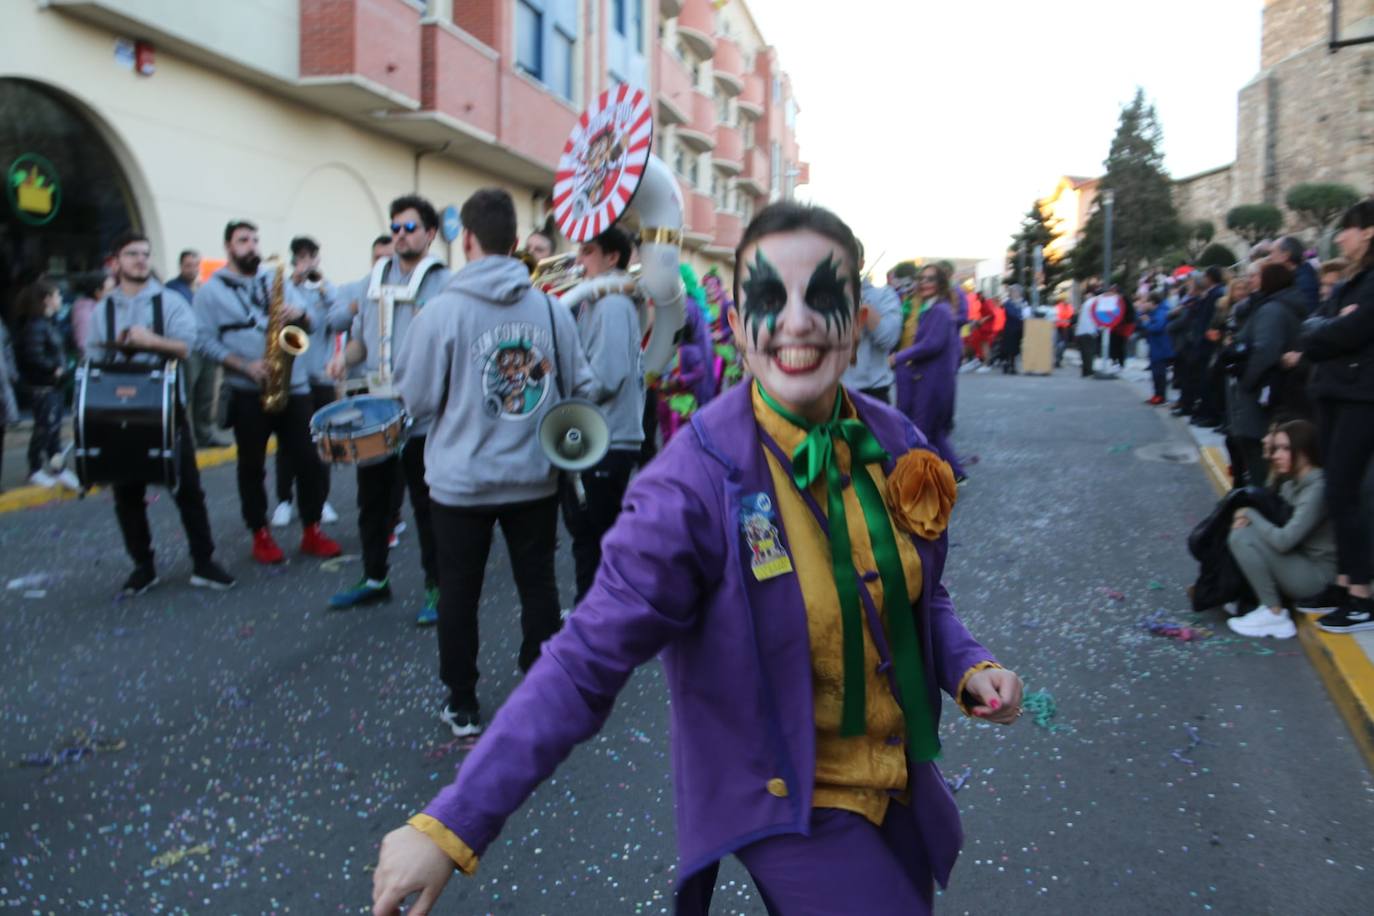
(754,179)
(700,133)
(729,153)
(750,99)
(726,237)
(729,66)
(669,8)
(700,218)
(696,25)
(674,89)
(372,42)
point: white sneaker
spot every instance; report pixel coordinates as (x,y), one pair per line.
(1264,622)
(400,528)
(327,514)
(282,515)
(983,369)
(41,478)
(69,480)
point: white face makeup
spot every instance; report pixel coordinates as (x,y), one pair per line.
(796,318)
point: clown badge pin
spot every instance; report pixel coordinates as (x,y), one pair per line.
(767,557)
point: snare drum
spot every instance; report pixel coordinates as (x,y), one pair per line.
(360,430)
(125,427)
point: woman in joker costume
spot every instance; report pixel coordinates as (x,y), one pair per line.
(784,554)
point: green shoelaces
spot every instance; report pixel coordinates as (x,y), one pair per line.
(815,458)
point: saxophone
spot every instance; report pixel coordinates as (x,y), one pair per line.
(284,343)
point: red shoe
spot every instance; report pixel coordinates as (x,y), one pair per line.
(265,549)
(1155,401)
(316,543)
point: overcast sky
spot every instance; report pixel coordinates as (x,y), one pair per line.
(931,125)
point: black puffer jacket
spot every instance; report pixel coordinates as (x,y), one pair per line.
(40,352)
(1342,347)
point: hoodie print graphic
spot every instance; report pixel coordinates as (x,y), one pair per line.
(516,365)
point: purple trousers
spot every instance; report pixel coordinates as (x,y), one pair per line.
(846,865)
(930,414)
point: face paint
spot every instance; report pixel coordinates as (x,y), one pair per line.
(764,296)
(828,294)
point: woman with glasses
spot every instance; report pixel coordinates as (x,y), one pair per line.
(925,371)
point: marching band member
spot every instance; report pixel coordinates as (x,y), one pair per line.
(487,360)
(609,331)
(877,338)
(232,308)
(398,289)
(310,290)
(539,244)
(151,324)
(785,555)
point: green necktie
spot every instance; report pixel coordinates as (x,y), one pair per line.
(812,459)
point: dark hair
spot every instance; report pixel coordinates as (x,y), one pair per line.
(1215,275)
(614,241)
(1302,440)
(188,253)
(428,217)
(489,214)
(381,240)
(1157,296)
(787,216)
(1274,277)
(906,270)
(547,237)
(1291,248)
(235,225)
(88,284)
(303,244)
(29,302)
(1361,216)
(125,239)
(1337,266)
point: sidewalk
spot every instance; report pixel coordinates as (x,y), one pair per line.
(1344,663)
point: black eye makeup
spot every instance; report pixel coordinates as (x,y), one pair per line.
(828,295)
(764,296)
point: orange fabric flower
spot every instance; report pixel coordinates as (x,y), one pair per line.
(921,493)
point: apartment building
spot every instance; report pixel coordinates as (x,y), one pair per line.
(309,116)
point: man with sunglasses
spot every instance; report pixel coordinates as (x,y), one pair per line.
(408,279)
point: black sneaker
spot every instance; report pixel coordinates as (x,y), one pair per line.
(465,722)
(1327,601)
(211,575)
(139,581)
(1357,615)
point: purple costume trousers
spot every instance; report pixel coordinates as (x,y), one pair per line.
(846,865)
(931,410)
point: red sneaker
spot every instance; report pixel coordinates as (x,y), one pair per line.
(265,549)
(316,543)
(1155,401)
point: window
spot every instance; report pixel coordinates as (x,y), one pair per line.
(790,112)
(680,161)
(618,17)
(637,23)
(775,167)
(529,40)
(748,135)
(777,90)
(560,78)
(723,108)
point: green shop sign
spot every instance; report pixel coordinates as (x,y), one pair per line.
(33,189)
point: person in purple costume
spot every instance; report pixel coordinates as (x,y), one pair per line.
(783,556)
(926,371)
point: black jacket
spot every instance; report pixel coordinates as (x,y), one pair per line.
(1219,579)
(1268,329)
(1342,347)
(40,352)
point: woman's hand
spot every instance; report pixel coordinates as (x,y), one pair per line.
(1349,309)
(1290,359)
(409,862)
(1240,520)
(999,692)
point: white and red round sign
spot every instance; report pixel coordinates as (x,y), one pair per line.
(1107,310)
(602,163)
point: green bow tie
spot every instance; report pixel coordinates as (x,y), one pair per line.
(812,459)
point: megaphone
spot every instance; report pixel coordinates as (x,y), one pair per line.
(574,436)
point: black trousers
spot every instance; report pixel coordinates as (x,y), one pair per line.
(882,393)
(376,514)
(649,448)
(252,427)
(1347,444)
(1159,374)
(462,536)
(605,486)
(1248,467)
(1087,349)
(46,438)
(131,507)
(320,396)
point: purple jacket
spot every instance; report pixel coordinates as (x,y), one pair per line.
(925,371)
(675,579)
(695,354)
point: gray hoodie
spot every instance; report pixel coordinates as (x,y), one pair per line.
(317,301)
(178,323)
(484,360)
(609,331)
(870,369)
(232,312)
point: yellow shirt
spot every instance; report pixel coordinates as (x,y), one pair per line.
(861,773)
(909,326)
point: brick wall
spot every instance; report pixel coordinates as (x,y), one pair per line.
(478,18)
(1291,26)
(377,39)
(327,30)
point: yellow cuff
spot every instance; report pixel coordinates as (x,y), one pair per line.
(963,681)
(464,859)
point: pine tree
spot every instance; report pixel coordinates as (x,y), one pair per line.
(1036,231)
(1144,221)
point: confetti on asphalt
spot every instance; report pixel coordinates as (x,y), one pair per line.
(1194,739)
(335,564)
(173,856)
(1157,625)
(79,746)
(1155,586)
(1043,709)
(956,783)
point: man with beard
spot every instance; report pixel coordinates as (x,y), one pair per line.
(152,324)
(232,308)
(406,280)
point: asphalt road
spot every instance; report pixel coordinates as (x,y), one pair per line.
(244,752)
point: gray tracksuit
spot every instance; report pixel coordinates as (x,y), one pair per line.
(317,301)
(178,323)
(484,361)
(1295,560)
(232,312)
(871,370)
(609,331)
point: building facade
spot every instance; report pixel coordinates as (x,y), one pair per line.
(309,116)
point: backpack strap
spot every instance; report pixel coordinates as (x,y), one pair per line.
(157,314)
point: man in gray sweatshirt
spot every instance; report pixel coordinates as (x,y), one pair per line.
(610,333)
(484,362)
(232,308)
(407,280)
(882,330)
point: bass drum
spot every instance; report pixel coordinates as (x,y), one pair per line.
(360,430)
(126,424)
